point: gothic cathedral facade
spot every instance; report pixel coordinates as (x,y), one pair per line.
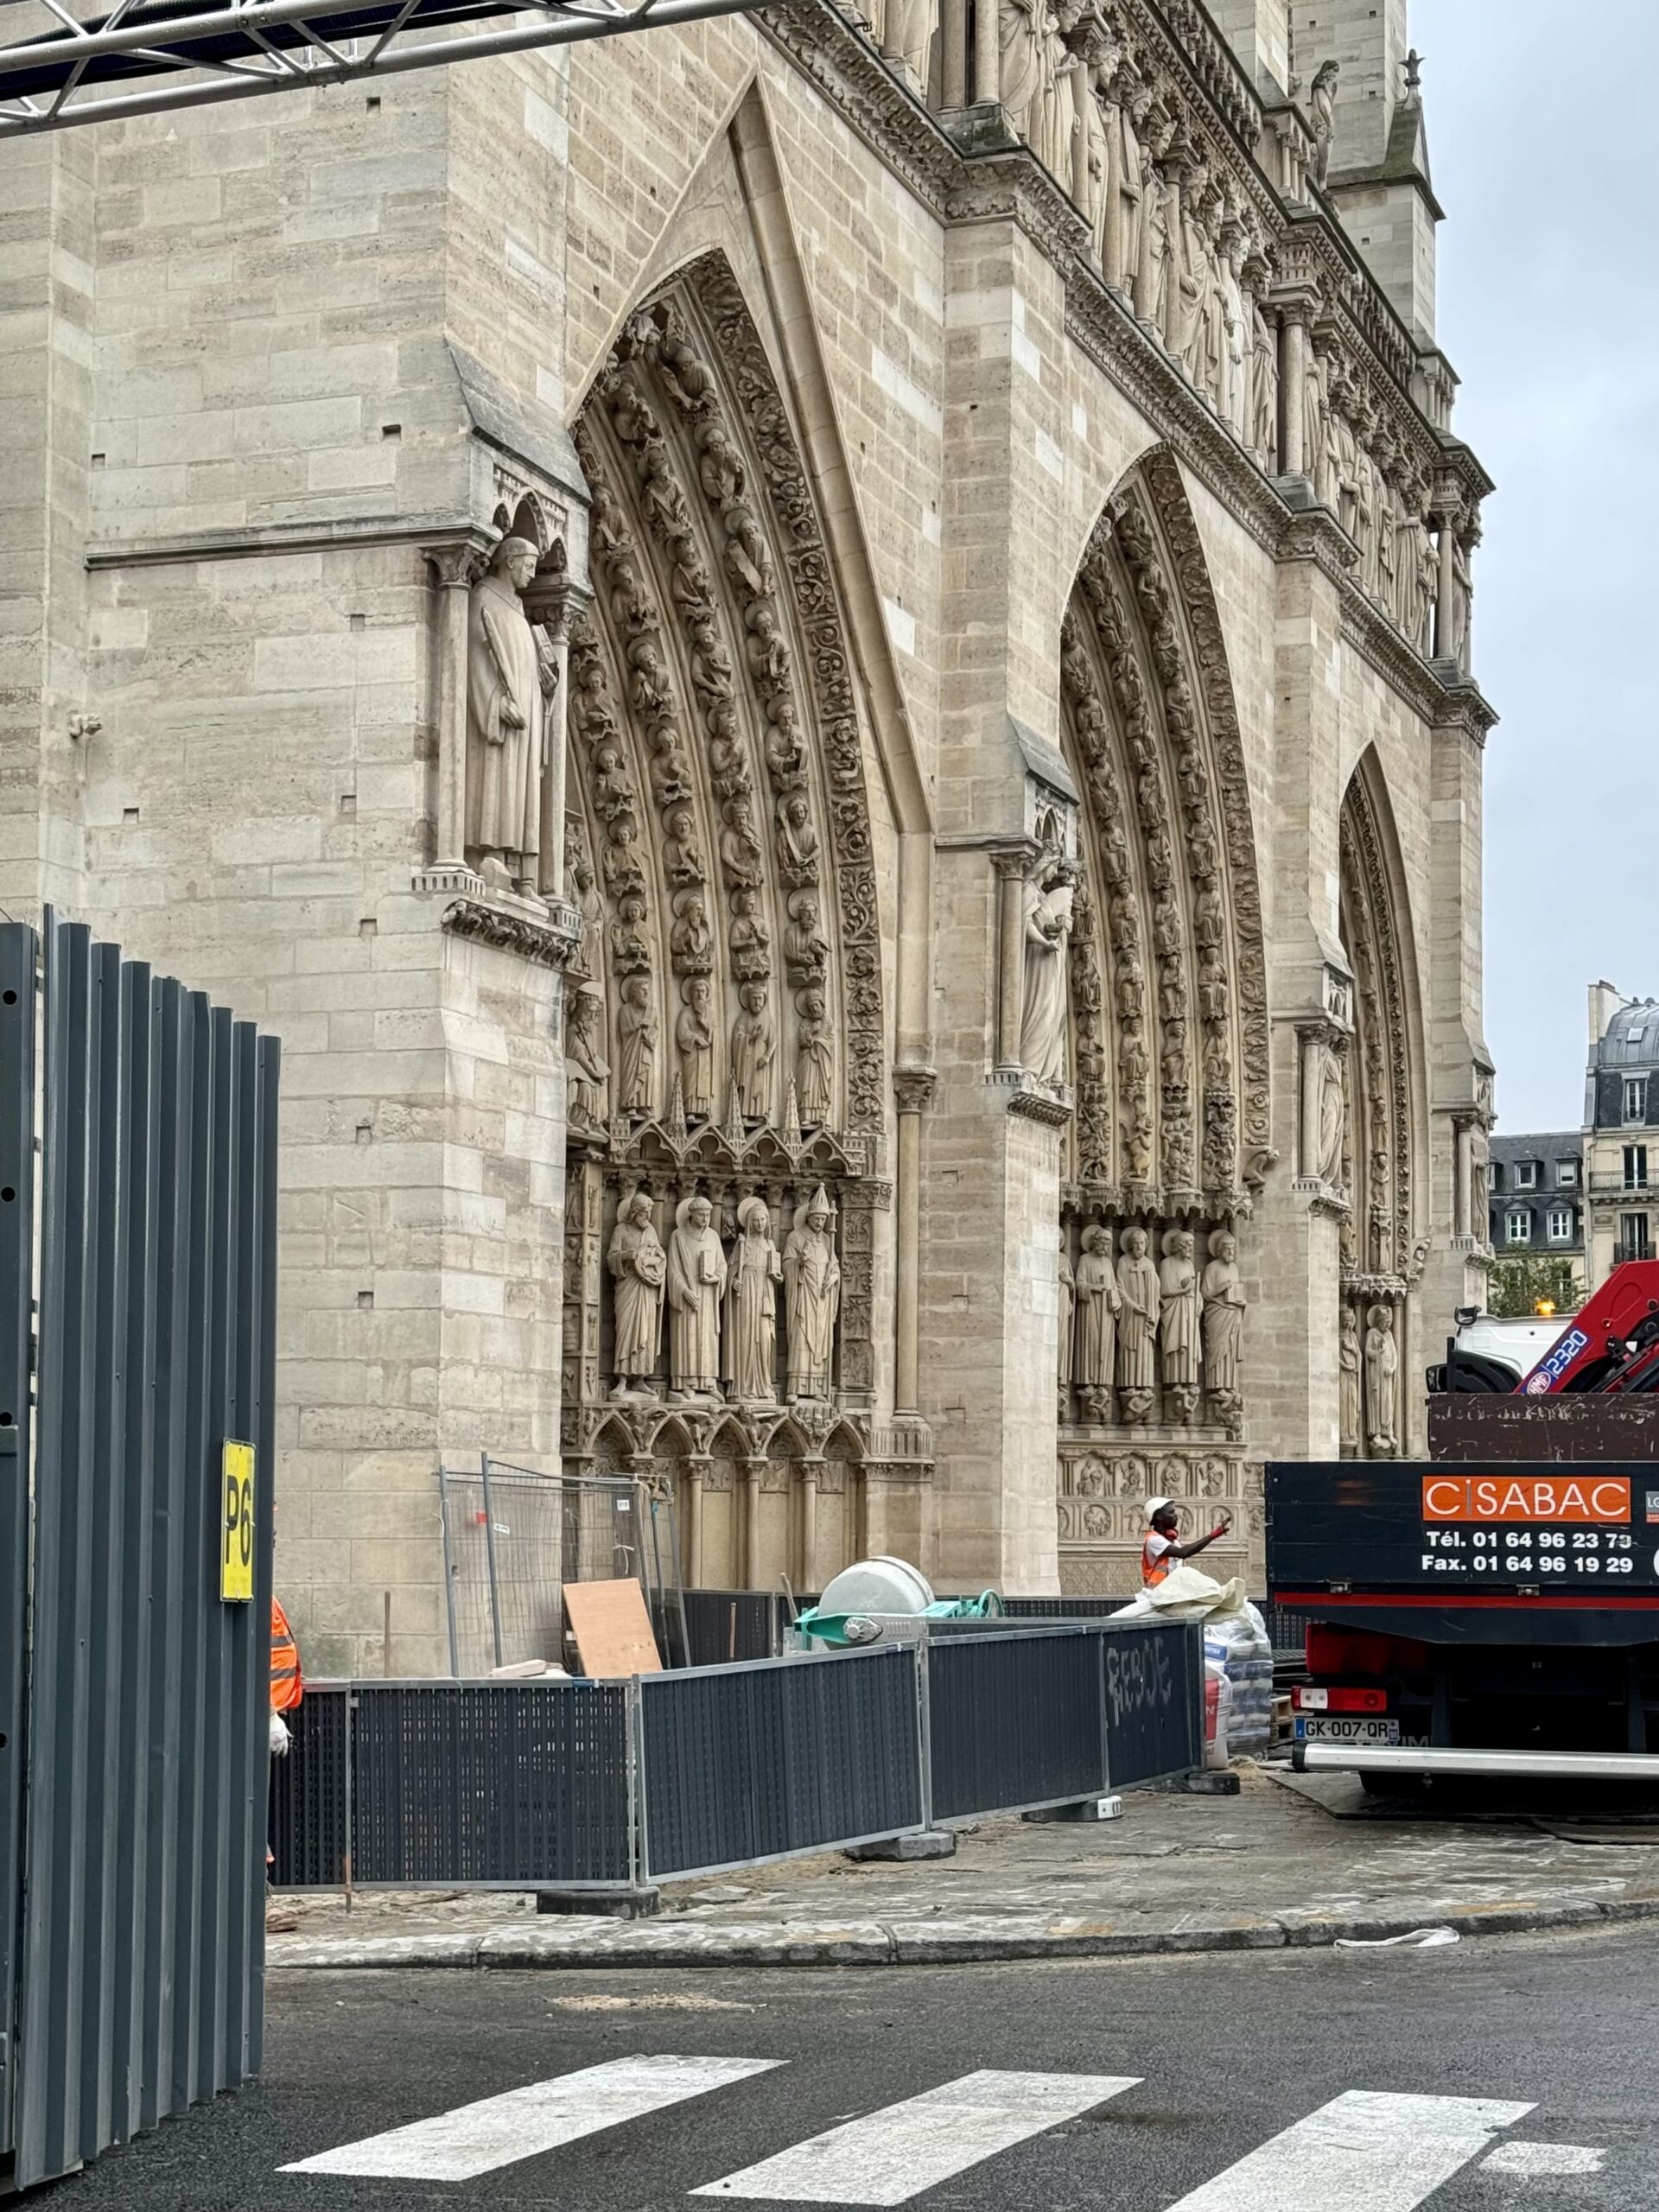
(818,667)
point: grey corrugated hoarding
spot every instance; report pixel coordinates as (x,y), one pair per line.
(134,1770)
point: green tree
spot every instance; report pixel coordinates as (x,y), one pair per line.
(1519,1285)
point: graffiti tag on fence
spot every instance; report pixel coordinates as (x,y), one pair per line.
(1139,1675)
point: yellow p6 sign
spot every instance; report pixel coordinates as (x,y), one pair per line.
(236,1532)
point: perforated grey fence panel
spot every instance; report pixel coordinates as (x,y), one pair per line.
(489,1782)
(1153,1678)
(1013,1720)
(135,1986)
(780,1757)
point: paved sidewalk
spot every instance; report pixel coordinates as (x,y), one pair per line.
(1302,1861)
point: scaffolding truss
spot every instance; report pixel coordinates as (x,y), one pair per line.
(144,57)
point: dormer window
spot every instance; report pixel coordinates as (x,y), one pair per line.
(1526,1174)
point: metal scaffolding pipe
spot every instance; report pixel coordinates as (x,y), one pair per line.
(268,46)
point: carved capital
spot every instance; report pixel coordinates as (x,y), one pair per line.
(457,564)
(912,1088)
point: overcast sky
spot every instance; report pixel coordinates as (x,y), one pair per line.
(1545,151)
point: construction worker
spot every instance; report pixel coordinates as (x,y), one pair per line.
(1160,1552)
(287,1683)
(287,1689)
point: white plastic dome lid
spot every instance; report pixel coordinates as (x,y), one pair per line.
(877,1585)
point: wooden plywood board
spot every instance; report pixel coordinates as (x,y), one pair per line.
(611,1628)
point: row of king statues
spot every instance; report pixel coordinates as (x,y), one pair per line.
(1130,1323)
(722,1300)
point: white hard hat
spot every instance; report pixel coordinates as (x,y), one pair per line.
(1155,1506)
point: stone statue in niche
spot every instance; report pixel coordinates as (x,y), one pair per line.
(806,949)
(585,1053)
(630,950)
(1348,1371)
(1235,395)
(1160,215)
(1332,1118)
(1382,1383)
(1068,1307)
(694,1041)
(907,35)
(1047,911)
(696,1284)
(811,1298)
(1099,1304)
(691,942)
(797,840)
(814,1062)
(638,1268)
(740,856)
(1429,575)
(1223,1323)
(1023,32)
(682,861)
(1264,389)
(755,1047)
(1129,180)
(749,936)
(586,963)
(1322,115)
(505,715)
(1056,110)
(1137,1337)
(1178,1301)
(1190,287)
(636,1047)
(755,1272)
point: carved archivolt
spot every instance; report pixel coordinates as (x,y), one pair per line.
(1381,1239)
(1381,1248)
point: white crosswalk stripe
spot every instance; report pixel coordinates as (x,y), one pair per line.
(498,2131)
(1363,2151)
(890,2155)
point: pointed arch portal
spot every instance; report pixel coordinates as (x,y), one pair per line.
(724,1013)
(1171,1136)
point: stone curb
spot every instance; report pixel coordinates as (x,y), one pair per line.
(977,1941)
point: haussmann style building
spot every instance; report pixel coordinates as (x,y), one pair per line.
(819,669)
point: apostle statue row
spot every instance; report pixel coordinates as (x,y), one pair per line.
(1131,1323)
(722,1304)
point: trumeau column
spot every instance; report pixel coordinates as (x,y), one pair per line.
(454,567)
(913,1087)
(1011,866)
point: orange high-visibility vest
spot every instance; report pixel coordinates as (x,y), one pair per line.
(1155,1566)
(287,1684)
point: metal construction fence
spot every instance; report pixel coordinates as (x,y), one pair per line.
(513,1537)
(138,1211)
(591,1786)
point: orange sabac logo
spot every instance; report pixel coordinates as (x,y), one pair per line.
(1525,1498)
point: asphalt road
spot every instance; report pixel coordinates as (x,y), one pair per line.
(1226,2054)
